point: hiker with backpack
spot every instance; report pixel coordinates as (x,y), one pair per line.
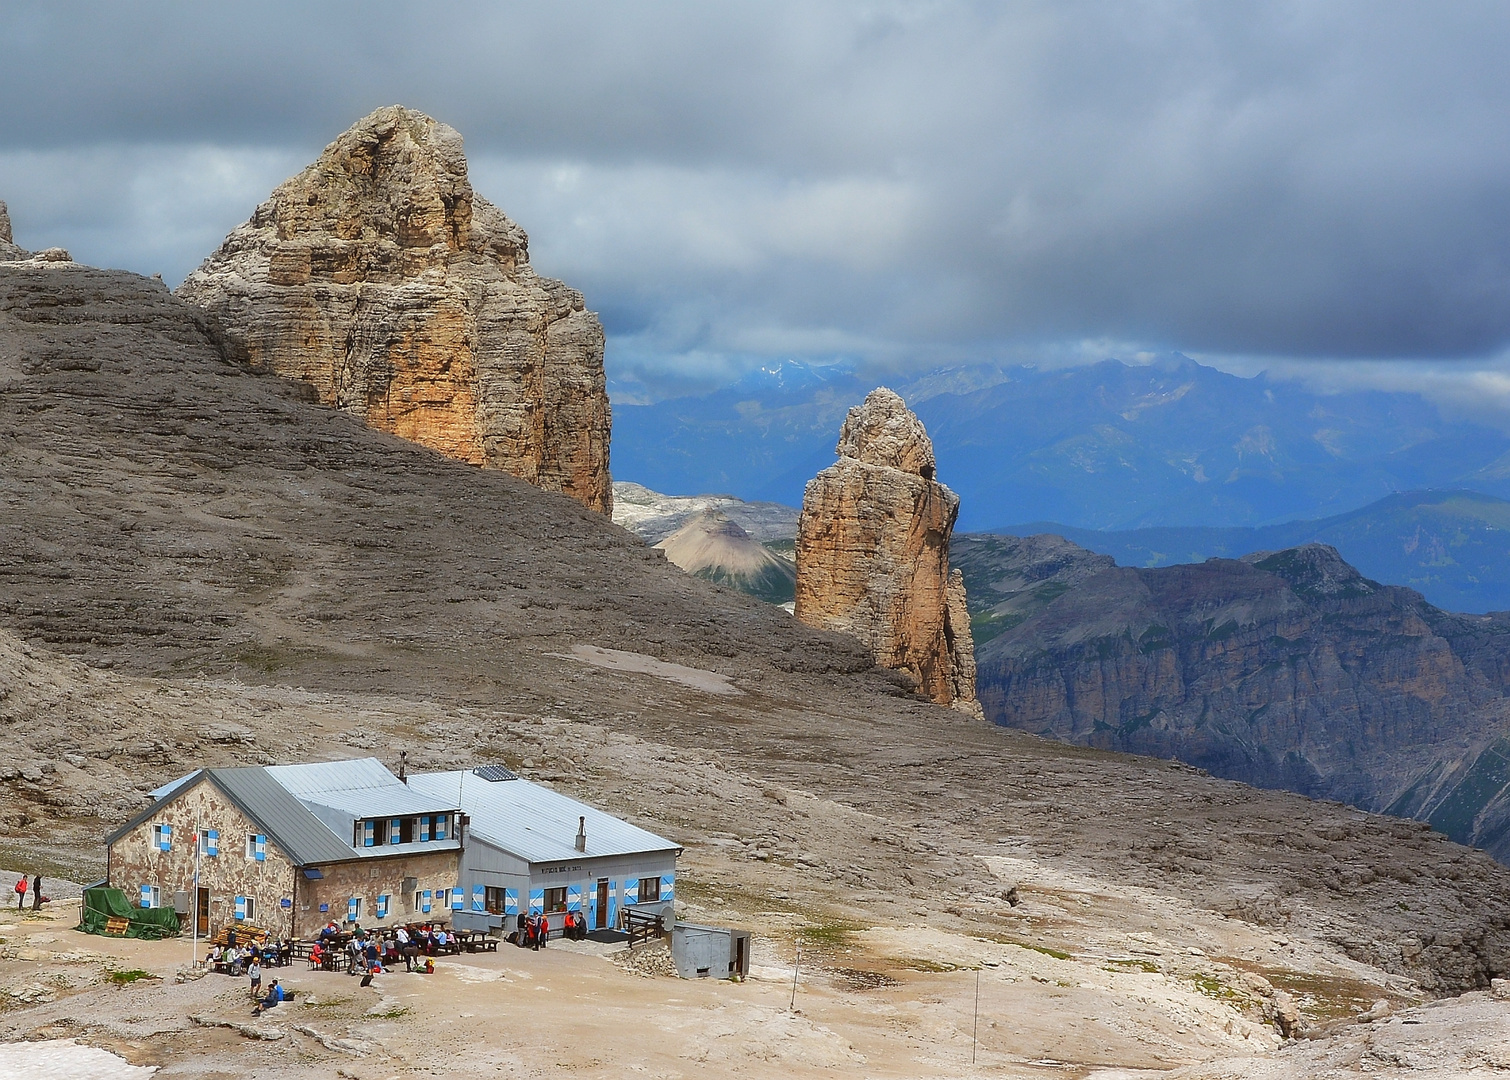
(21,893)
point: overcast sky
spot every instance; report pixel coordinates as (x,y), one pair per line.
(1303,185)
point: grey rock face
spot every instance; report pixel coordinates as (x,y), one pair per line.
(1285,669)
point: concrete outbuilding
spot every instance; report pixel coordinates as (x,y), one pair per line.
(716,952)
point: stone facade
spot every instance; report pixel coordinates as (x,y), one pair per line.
(381,279)
(134,861)
(377,876)
(873,553)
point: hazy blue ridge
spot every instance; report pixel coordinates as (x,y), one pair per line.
(1451,546)
(1106,446)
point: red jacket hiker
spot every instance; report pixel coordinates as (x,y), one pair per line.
(21,893)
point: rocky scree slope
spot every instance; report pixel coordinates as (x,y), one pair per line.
(270,579)
(1284,669)
(381,279)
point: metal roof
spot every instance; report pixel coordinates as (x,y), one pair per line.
(536,823)
(360,787)
(289,823)
(306,809)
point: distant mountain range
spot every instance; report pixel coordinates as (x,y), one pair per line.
(1287,669)
(1107,446)
(1451,546)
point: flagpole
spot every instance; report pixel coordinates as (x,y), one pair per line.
(194,900)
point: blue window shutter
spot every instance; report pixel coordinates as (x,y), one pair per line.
(167,837)
(261,848)
(479,898)
(511,901)
(668,887)
(537,901)
(440,826)
(367,836)
(146,896)
(240,907)
(458,899)
(351,909)
(395,830)
(574,898)
(212,842)
(382,906)
(613,903)
(631,892)
(424,828)
(424,901)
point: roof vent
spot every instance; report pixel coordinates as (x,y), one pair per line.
(494,773)
(582,834)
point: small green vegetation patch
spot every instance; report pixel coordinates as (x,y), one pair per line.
(1213,988)
(1044,949)
(127,977)
(1128,963)
(917,963)
(830,935)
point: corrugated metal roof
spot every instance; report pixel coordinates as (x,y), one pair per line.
(536,823)
(360,787)
(289,823)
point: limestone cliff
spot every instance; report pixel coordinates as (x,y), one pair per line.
(873,552)
(1283,669)
(379,277)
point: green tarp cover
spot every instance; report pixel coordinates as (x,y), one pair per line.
(101,905)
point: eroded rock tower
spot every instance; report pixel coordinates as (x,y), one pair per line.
(379,277)
(873,552)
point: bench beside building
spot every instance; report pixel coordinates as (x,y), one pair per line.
(287,848)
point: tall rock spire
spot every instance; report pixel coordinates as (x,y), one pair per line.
(379,277)
(873,552)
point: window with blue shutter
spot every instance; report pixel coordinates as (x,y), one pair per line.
(458,899)
(424,901)
(368,838)
(537,901)
(212,842)
(146,896)
(631,892)
(395,830)
(440,826)
(574,898)
(479,898)
(510,901)
(382,906)
(424,828)
(260,850)
(167,838)
(353,909)
(668,887)
(240,908)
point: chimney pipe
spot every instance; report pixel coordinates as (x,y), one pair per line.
(582,834)
(403,766)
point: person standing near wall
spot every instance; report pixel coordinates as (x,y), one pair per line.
(36,893)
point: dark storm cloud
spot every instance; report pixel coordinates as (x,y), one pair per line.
(896,182)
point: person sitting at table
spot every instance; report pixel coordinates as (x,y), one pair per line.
(212,956)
